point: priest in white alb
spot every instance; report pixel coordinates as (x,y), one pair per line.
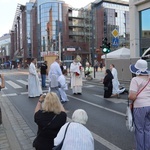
(34,87)
(76,75)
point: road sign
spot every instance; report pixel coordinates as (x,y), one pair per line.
(115,41)
(115,33)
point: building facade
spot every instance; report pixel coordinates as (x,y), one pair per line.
(52,27)
(139,27)
(111,21)
(5,49)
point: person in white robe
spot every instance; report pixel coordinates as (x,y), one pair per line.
(34,87)
(116,91)
(54,73)
(63,86)
(76,75)
(55,69)
(78,137)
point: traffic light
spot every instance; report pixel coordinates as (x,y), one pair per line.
(105,46)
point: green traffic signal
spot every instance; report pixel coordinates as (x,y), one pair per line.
(106,50)
(105,46)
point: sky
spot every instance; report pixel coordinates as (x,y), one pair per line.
(8,9)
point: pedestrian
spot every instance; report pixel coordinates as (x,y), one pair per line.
(54,73)
(116,90)
(101,66)
(76,75)
(43,71)
(108,84)
(61,66)
(50,116)
(63,87)
(2,85)
(96,65)
(88,71)
(55,69)
(139,94)
(77,137)
(34,87)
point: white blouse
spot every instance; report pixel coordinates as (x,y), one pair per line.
(78,137)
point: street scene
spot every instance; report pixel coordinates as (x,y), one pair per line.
(75,75)
(106,116)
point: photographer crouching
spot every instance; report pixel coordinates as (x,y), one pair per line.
(2,85)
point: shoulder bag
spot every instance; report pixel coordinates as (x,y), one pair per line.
(59,146)
(35,140)
(129,112)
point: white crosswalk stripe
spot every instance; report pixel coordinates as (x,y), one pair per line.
(14,85)
(23,82)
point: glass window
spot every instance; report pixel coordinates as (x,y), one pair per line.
(144,30)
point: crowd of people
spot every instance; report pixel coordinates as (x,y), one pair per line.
(50,115)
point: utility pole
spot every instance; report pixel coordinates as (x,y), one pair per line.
(59,40)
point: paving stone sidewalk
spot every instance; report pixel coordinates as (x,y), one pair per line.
(15,134)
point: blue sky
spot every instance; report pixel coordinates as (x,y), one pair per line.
(8,9)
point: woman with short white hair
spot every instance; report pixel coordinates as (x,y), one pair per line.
(77,137)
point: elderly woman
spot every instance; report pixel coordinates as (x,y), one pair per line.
(50,116)
(78,137)
(139,93)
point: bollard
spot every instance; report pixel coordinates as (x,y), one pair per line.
(0,116)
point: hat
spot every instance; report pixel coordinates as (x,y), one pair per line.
(139,68)
(78,58)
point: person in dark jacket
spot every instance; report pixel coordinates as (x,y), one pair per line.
(43,71)
(48,110)
(108,84)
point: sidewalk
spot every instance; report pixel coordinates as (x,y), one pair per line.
(15,134)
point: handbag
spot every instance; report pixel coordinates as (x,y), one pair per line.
(129,118)
(129,113)
(35,140)
(59,146)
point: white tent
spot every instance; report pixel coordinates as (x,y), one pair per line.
(120,53)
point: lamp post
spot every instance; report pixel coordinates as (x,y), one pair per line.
(59,40)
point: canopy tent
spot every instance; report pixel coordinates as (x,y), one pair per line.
(120,53)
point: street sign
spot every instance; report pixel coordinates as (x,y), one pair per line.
(115,41)
(115,33)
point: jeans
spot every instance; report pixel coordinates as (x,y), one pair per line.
(43,76)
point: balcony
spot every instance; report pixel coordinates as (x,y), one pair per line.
(74,33)
(81,25)
(79,16)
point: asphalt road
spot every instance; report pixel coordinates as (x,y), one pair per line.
(106,116)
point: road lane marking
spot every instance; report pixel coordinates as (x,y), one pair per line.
(101,140)
(14,85)
(114,100)
(79,99)
(23,82)
(12,94)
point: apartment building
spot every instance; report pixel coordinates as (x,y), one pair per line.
(139,26)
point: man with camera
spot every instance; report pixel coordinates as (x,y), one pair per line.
(2,85)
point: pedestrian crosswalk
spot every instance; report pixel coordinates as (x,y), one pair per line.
(20,83)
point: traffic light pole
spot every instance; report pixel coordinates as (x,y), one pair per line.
(105,61)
